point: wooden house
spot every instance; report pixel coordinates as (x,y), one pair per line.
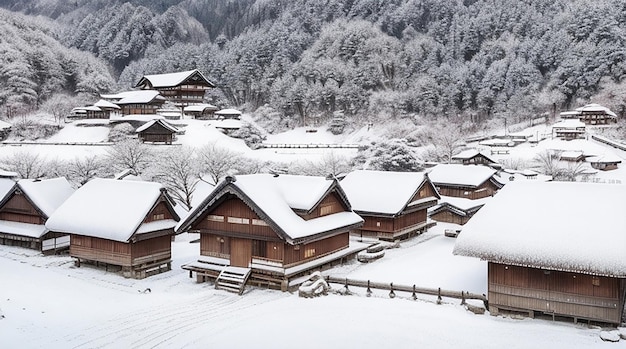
(568,130)
(472,157)
(26,206)
(553,248)
(228,114)
(464,181)
(455,210)
(136,102)
(181,88)
(393,204)
(595,114)
(200,111)
(270,230)
(604,162)
(128,224)
(157,131)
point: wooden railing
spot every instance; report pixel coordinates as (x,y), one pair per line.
(414,290)
(308,146)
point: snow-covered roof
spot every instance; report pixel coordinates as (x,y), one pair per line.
(595,108)
(134,97)
(227,124)
(22,229)
(606,158)
(382,191)
(161,122)
(8,174)
(199,107)
(470,153)
(275,199)
(551,225)
(569,124)
(171,79)
(228,112)
(108,208)
(4,124)
(572,154)
(6,184)
(106,104)
(463,203)
(456,174)
(47,194)
(134,117)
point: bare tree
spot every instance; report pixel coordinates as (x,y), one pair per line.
(130,154)
(448,141)
(217,162)
(177,170)
(548,163)
(26,165)
(81,170)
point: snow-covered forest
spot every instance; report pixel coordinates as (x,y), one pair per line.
(309,60)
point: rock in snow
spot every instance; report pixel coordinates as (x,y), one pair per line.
(610,336)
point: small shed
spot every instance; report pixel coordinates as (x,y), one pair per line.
(465,181)
(455,210)
(128,224)
(472,157)
(553,248)
(569,129)
(200,111)
(228,114)
(157,131)
(604,162)
(25,207)
(393,204)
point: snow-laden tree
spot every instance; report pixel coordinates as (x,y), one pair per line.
(217,162)
(132,155)
(82,170)
(27,165)
(177,169)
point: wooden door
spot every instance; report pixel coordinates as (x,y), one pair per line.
(240,252)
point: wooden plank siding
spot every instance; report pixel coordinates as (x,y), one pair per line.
(295,254)
(18,209)
(329,205)
(159,212)
(575,295)
(450,217)
(120,253)
(484,190)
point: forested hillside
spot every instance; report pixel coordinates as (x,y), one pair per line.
(362,59)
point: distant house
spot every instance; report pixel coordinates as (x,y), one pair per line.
(270,230)
(200,111)
(228,114)
(470,182)
(572,155)
(472,157)
(128,224)
(552,249)
(157,131)
(604,162)
(100,110)
(595,114)
(26,206)
(455,210)
(181,88)
(393,204)
(136,102)
(569,129)
(5,129)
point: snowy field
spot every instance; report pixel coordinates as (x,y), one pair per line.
(47,302)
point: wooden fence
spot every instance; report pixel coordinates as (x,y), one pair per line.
(414,290)
(607,141)
(308,146)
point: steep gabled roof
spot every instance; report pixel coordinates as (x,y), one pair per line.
(161,122)
(172,79)
(135,97)
(46,195)
(469,154)
(276,199)
(460,175)
(595,108)
(112,209)
(569,226)
(383,192)
(6,186)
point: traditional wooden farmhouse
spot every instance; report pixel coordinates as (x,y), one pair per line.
(270,230)
(456,210)
(604,162)
(128,224)
(182,88)
(595,114)
(136,102)
(393,204)
(472,157)
(470,182)
(200,111)
(24,209)
(553,248)
(568,130)
(157,131)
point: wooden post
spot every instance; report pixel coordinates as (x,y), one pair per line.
(439,295)
(368,293)
(462,298)
(346,286)
(414,295)
(391,293)
(190,275)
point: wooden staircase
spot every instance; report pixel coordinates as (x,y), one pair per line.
(233,279)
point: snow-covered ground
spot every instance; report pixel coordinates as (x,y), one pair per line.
(47,302)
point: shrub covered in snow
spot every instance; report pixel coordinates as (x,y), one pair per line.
(392,155)
(250,134)
(121,132)
(32,128)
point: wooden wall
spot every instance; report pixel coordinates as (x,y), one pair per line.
(484,190)
(390,225)
(329,205)
(563,293)
(155,214)
(100,250)
(301,253)
(19,209)
(449,217)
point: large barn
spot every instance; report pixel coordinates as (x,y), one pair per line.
(269,230)
(555,248)
(393,204)
(128,224)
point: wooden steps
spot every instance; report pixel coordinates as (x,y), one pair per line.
(233,279)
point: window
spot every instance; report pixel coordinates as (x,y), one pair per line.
(326,209)
(259,222)
(238,220)
(215,218)
(309,252)
(259,248)
(158,216)
(378,224)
